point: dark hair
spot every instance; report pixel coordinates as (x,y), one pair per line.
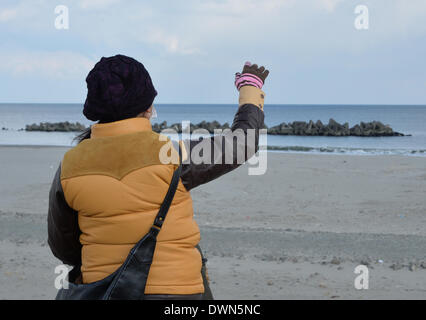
(83,136)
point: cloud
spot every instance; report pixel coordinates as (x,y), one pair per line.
(172,43)
(97,4)
(52,65)
(19,11)
(189,37)
(8,14)
(330,5)
(27,16)
(193,27)
(244,7)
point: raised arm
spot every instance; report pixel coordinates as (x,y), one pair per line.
(231,149)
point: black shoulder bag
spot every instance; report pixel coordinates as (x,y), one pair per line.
(127,282)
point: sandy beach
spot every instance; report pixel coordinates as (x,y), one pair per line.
(297,232)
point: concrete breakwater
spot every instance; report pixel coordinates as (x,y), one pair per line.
(297,128)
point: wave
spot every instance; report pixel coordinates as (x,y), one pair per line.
(347,150)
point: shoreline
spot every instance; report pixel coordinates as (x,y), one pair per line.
(341,151)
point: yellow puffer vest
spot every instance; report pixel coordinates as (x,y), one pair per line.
(116,183)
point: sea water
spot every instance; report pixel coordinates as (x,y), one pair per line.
(407,119)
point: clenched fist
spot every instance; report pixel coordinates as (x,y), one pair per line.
(252,75)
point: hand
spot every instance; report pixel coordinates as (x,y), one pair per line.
(252,75)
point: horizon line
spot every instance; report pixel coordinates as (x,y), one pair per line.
(266,104)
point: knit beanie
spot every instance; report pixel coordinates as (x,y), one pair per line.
(118,88)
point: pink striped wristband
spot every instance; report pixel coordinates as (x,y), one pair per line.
(247,79)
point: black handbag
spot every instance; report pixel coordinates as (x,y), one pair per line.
(127,282)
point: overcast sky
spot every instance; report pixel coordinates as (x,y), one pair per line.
(193,48)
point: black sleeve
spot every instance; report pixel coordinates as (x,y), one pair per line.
(62,226)
(223,148)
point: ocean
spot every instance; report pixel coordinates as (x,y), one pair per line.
(407,119)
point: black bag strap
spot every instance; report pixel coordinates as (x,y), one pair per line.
(131,277)
(161,215)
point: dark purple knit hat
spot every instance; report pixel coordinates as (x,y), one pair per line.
(118,88)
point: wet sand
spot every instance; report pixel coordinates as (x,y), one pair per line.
(296,232)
